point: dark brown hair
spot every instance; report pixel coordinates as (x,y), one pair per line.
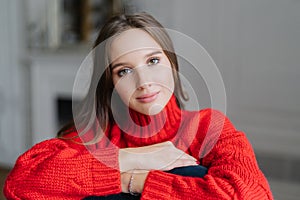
(101,89)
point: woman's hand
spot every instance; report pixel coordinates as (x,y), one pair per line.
(136,179)
(162,156)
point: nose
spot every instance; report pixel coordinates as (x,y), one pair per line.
(142,78)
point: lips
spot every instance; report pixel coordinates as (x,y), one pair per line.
(147,98)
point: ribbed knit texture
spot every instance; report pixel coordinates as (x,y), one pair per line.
(141,130)
(62,169)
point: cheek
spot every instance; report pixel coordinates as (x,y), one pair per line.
(170,81)
(165,78)
(123,93)
(125,89)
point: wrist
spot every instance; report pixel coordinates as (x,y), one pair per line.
(137,181)
(132,189)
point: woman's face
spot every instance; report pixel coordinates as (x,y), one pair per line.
(141,72)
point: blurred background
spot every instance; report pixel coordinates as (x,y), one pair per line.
(255,44)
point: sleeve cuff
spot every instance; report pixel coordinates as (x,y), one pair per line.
(105,171)
(157,185)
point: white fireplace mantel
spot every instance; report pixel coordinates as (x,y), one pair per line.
(52,76)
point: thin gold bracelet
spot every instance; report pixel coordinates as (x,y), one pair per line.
(130,185)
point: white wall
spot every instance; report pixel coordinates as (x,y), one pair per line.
(14,110)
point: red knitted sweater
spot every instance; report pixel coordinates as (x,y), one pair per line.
(64,169)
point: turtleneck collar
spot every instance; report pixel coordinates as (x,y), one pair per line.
(139,129)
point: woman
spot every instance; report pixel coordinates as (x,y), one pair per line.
(138,132)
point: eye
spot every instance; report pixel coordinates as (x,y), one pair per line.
(124,71)
(153,61)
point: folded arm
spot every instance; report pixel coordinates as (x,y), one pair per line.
(53,169)
(233,172)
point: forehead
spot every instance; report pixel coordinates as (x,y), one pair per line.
(131,40)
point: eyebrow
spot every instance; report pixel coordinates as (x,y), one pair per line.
(153,53)
(146,56)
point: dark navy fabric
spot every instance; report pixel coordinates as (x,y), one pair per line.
(191,171)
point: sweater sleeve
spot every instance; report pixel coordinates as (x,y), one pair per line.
(233,172)
(57,169)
